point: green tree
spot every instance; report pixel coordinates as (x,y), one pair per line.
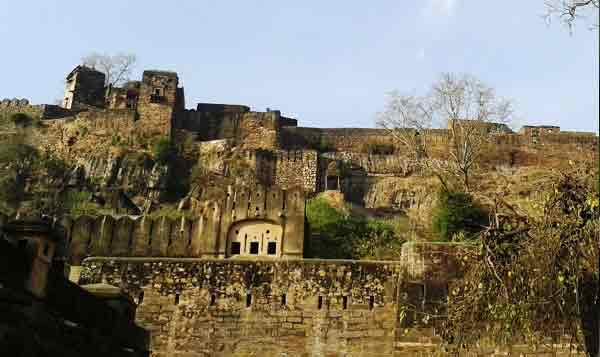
(457,212)
(164,151)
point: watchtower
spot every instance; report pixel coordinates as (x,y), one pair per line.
(158,98)
(84,87)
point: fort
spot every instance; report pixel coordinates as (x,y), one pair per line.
(231,279)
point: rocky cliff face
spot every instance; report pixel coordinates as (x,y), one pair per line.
(410,194)
(136,174)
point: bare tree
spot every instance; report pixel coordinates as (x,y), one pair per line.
(468,108)
(568,11)
(117,68)
(408,119)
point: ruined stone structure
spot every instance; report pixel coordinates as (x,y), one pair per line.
(84,87)
(281,153)
(44,314)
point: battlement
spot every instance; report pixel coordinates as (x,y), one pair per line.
(271,307)
(252,223)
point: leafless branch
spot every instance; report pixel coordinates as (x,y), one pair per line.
(117,68)
(569,11)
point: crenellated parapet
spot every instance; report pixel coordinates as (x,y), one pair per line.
(293,306)
(257,222)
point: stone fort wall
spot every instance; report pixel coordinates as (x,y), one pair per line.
(288,307)
(208,235)
(361,139)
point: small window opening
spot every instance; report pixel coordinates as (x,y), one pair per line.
(272,248)
(320,303)
(283,300)
(140,297)
(268,231)
(248,300)
(176,299)
(237,232)
(235,247)
(213,299)
(344,302)
(253,247)
(371,302)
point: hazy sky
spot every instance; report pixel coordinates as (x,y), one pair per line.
(328,63)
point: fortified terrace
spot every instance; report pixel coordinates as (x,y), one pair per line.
(232,280)
(327,158)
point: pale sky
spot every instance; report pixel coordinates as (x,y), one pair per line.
(327,63)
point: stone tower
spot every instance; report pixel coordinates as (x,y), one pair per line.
(158,98)
(84,87)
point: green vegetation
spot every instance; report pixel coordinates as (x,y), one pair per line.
(342,236)
(163,151)
(21,120)
(457,213)
(531,273)
(26,174)
(80,203)
(324,145)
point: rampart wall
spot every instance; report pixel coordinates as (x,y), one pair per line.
(362,139)
(306,307)
(374,164)
(205,236)
(241,308)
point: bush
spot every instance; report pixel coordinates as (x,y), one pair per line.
(457,212)
(340,236)
(163,151)
(376,148)
(21,120)
(324,145)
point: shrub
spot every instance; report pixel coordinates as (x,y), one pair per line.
(163,151)
(21,119)
(323,145)
(457,212)
(340,236)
